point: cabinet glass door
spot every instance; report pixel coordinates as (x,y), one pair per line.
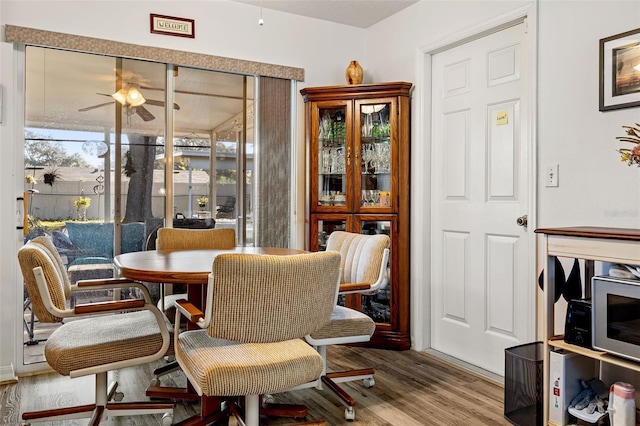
(333,135)
(323,225)
(375,128)
(378,306)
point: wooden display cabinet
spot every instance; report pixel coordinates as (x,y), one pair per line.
(358,145)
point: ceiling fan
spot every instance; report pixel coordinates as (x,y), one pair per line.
(132,100)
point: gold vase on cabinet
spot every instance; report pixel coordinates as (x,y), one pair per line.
(354,73)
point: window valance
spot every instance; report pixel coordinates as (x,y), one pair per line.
(35,37)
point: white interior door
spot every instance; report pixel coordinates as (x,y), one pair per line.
(481,286)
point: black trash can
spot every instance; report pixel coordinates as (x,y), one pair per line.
(523,370)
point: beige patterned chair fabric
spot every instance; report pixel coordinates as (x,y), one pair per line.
(345,323)
(193,239)
(35,254)
(361,255)
(92,342)
(261,307)
(45,242)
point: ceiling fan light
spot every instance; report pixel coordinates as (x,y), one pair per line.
(134,97)
(120,96)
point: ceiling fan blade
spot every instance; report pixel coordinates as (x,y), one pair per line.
(95,106)
(161,103)
(144,113)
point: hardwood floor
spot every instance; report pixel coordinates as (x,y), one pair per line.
(412,388)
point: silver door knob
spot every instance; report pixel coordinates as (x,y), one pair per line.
(522,220)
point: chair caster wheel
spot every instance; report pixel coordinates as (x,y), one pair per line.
(167,419)
(154,383)
(368,382)
(267,399)
(118,396)
(349,414)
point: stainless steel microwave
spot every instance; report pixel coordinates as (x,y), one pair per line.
(615,316)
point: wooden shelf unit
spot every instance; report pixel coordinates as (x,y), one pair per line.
(590,243)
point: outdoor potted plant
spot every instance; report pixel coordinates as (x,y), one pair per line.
(51,177)
(82,203)
(202,202)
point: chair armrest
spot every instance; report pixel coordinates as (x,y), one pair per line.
(189,310)
(354,288)
(104,281)
(111,283)
(112,306)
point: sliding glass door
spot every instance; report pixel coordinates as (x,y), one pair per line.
(115,148)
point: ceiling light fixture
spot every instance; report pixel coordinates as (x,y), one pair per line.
(261,21)
(120,96)
(129,97)
(134,97)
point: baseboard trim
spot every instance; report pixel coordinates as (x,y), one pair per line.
(7,375)
(488,375)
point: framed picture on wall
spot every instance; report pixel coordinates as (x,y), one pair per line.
(620,71)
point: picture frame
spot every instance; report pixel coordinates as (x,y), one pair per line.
(620,71)
(171,25)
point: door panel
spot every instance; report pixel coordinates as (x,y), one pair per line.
(479,276)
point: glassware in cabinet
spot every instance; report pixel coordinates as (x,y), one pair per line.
(375,147)
(333,148)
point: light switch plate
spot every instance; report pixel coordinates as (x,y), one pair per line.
(551,175)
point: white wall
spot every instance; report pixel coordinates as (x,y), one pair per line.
(595,188)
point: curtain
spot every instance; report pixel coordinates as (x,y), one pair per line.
(273,173)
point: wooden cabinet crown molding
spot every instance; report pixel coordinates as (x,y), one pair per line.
(356,91)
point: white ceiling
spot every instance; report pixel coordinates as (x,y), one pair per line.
(356,13)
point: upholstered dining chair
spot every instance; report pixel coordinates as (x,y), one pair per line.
(191,239)
(250,342)
(135,334)
(364,260)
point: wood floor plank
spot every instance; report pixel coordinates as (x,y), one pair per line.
(412,388)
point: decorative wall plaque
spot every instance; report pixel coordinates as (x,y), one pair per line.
(170,25)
